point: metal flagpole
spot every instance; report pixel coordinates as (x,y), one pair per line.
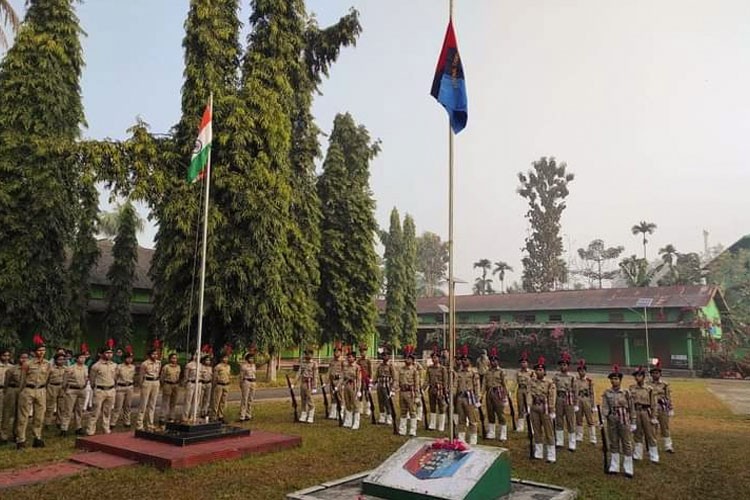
(451,284)
(203,267)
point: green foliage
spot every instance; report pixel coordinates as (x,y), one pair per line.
(118,320)
(636,271)
(597,254)
(348,262)
(395,276)
(409,334)
(432,263)
(483,284)
(731,271)
(545,188)
(681,269)
(643,228)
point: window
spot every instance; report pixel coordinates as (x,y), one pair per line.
(616,317)
(524,318)
(555,318)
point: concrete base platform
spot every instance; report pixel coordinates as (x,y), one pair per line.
(167,456)
(351,487)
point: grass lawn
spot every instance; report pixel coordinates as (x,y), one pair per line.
(711,444)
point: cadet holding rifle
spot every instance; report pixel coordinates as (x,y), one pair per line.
(542,397)
(495,394)
(617,408)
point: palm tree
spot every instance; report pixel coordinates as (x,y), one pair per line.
(9,18)
(109,222)
(500,268)
(644,228)
(669,257)
(484,286)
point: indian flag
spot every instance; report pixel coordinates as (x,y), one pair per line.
(202,150)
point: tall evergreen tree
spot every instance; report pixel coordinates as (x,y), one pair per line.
(118,320)
(409,334)
(395,281)
(432,263)
(41,115)
(348,261)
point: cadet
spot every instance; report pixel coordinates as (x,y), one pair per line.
(437,383)
(483,364)
(5,365)
(307,378)
(335,370)
(124,383)
(584,389)
(149,375)
(408,388)
(523,379)
(617,408)
(55,394)
(191,386)
(645,418)
(33,397)
(102,378)
(247,386)
(566,405)
(205,377)
(467,398)
(170,386)
(541,400)
(74,386)
(495,394)
(352,386)
(365,366)
(385,376)
(664,408)
(222,373)
(13,381)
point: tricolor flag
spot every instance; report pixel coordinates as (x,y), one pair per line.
(449,86)
(202,150)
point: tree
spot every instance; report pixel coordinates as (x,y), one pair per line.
(118,322)
(395,276)
(348,261)
(669,257)
(545,188)
(483,285)
(688,269)
(643,228)
(500,269)
(731,271)
(9,18)
(432,263)
(599,254)
(108,223)
(636,271)
(41,118)
(409,257)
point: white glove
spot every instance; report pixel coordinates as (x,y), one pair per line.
(654,421)
(478,404)
(671,413)
(359,394)
(505,402)
(595,409)
(391,394)
(633,427)
(314,391)
(576,409)
(552,416)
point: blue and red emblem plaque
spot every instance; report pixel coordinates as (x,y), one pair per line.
(433,463)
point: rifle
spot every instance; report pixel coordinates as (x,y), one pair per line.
(392,408)
(481,420)
(337,397)
(529,430)
(325,396)
(604,438)
(512,411)
(294,398)
(425,410)
(373,420)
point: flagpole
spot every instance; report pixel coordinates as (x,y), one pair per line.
(451,284)
(203,271)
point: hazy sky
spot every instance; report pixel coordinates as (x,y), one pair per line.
(647,101)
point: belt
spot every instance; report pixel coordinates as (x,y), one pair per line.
(252,380)
(170,383)
(222,383)
(11,386)
(105,387)
(151,379)
(32,386)
(205,381)
(642,407)
(75,387)
(119,384)
(55,385)
(191,381)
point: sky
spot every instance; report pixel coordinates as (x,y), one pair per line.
(648,103)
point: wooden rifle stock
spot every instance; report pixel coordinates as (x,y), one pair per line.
(294,398)
(604,438)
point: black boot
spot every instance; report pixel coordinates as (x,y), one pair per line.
(64,433)
(79,432)
(21,445)
(38,443)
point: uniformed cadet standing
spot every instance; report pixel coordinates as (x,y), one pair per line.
(205,378)
(408,390)
(149,375)
(645,417)
(467,398)
(567,404)
(12,387)
(422,374)
(191,386)
(222,373)
(664,408)
(618,410)
(124,387)
(33,397)
(541,401)
(74,386)
(437,390)
(335,371)
(385,378)
(55,394)
(352,387)
(523,379)
(584,389)
(102,378)
(483,364)
(247,387)
(495,396)
(5,365)
(170,386)
(365,367)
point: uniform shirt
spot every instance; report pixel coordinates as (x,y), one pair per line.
(642,395)
(206,373)
(467,381)
(102,374)
(150,370)
(351,374)
(408,378)
(584,388)
(662,395)
(494,380)
(191,369)
(222,371)
(385,373)
(76,376)
(56,374)
(544,392)
(37,372)
(4,367)
(335,371)
(247,371)
(365,366)
(618,403)
(483,364)
(13,376)
(437,376)
(171,373)
(523,379)
(125,374)
(564,385)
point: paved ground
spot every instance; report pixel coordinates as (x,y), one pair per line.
(734,393)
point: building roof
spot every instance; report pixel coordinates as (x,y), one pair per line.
(605,298)
(141,279)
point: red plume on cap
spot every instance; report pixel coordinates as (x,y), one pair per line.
(565,357)
(110,343)
(129,349)
(464,350)
(525,356)
(408,350)
(85,347)
(156,343)
(206,349)
(38,340)
(541,360)
(582,363)
(493,352)
(615,368)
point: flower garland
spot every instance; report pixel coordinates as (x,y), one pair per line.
(447,444)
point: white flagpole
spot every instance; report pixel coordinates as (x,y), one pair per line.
(203,268)
(451,284)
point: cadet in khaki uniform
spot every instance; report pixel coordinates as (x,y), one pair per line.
(55,394)
(335,371)
(495,395)
(192,385)
(74,386)
(33,397)
(385,378)
(352,387)
(205,378)
(365,368)
(664,408)
(12,382)
(149,375)
(483,364)
(222,373)
(408,390)
(247,387)
(422,374)
(467,398)
(437,388)
(124,386)
(584,389)
(4,367)
(645,417)
(170,386)
(307,379)
(541,400)
(618,410)
(102,379)
(567,404)
(523,380)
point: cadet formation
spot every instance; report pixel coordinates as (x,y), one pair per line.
(556,411)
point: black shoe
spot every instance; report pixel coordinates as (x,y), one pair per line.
(79,432)
(63,433)
(127,426)
(21,445)
(38,443)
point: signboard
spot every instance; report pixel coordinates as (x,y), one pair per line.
(679,361)
(644,302)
